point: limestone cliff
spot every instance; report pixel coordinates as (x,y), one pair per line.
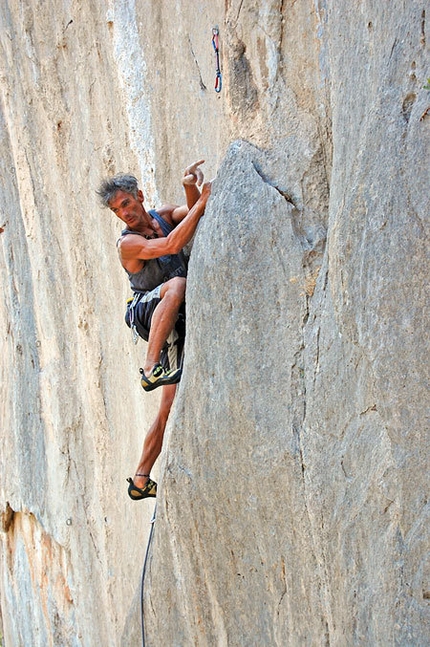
(292,507)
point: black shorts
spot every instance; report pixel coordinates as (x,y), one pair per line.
(138,317)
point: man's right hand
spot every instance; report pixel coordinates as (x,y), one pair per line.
(206,191)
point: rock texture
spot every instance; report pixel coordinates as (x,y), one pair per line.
(293,507)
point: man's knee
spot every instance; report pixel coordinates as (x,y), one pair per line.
(175,288)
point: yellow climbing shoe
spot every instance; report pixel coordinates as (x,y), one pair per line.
(159,377)
(137,493)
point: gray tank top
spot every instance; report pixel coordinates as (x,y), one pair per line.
(156,270)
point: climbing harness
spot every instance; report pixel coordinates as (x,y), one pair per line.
(143,575)
(215,43)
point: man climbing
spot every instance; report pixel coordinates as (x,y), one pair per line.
(150,251)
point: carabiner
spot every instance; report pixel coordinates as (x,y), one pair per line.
(218,82)
(215,40)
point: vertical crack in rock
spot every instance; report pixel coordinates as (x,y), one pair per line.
(282,30)
(285,586)
(317,354)
(298,385)
(393,47)
(236,19)
(326,138)
(201,83)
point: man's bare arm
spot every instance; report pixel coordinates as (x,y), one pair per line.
(191,181)
(135,247)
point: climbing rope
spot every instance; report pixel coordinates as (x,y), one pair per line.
(142,586)
(215,43)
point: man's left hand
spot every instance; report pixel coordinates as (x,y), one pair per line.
(193,174)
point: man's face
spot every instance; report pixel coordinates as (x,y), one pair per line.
(128,208)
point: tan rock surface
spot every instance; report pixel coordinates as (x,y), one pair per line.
(292,512)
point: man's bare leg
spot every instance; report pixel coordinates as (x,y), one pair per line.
(163,319)
(154,438)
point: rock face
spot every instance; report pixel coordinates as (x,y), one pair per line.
(292,507)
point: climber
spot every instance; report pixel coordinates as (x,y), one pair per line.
(151,252)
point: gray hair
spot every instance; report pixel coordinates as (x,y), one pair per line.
(120,182)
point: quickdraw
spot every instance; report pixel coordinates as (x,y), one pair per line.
(215,43)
